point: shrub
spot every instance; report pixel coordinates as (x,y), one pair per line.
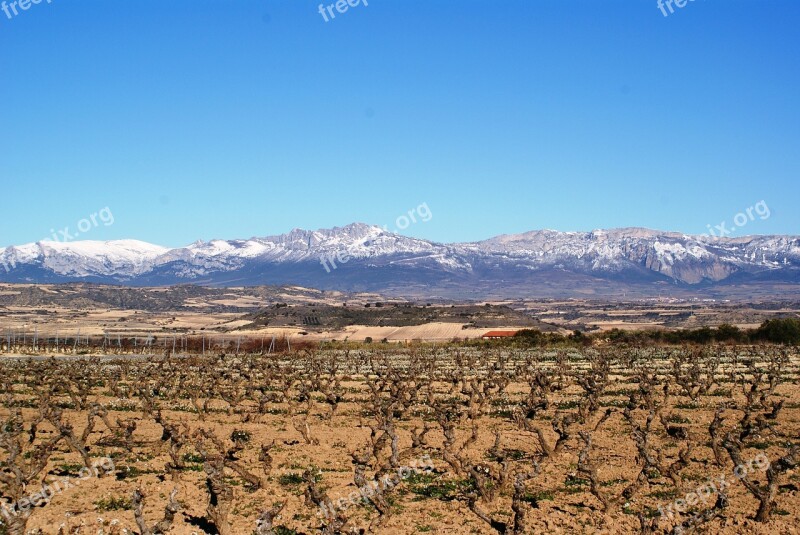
(779,331)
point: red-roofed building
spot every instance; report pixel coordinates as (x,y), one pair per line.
(499,334)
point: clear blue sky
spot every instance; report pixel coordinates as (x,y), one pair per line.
(201,119)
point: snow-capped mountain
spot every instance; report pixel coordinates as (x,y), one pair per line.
(361,257)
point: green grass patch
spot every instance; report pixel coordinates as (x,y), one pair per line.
(664,494)
(541,496)
(291,479)
(429,486)
(113,504)
(193,458)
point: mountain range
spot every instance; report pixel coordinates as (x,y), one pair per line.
(364,258)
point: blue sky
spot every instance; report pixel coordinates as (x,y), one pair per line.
(201,119)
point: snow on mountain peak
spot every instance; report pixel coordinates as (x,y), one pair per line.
(637,251)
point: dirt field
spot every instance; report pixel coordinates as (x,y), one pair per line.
(410,441)
(70,310)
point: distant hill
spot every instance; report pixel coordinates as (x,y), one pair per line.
(362,258)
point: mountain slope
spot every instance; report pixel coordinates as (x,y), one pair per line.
(360,257)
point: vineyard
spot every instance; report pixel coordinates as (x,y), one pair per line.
(399,440)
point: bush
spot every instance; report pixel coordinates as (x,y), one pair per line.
(240,436)
(530,336)
(779,331)
(729,333)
